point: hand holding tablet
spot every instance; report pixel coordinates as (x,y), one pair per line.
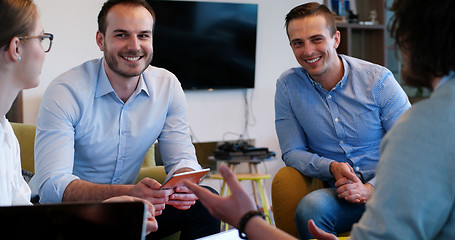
(177,179)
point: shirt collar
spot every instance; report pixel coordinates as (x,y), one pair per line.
(104,85)
(445,79)
(340,83)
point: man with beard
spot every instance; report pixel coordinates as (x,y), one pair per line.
(97,121)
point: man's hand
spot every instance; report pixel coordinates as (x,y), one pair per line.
(354,191)
(149,189)
(182,198)
(151,224)
(319,233)
(342,170)
(229,209)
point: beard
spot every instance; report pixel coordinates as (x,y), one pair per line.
(114,65)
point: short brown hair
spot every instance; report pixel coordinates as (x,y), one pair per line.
(310,9)
(102,25)
(17,18)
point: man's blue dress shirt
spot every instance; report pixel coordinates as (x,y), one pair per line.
(346,124)
(85,131)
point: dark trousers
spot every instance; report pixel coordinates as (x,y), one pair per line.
(193,223)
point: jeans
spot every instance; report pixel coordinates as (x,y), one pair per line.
(330,213)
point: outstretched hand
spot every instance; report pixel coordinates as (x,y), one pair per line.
(319,233)
(229,209)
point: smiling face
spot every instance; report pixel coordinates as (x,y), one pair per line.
(127,44)
(314,47)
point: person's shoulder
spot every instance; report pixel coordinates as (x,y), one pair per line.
(85,72)
(152,73)
(292,74)
(360,65)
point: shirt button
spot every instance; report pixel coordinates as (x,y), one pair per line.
(337,120)
(357,168)
(329,97)
(341,142)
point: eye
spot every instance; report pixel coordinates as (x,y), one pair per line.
(318,40)
(121,35)
(297,44)
(144,36)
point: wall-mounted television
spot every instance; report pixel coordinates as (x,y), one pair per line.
(207,45)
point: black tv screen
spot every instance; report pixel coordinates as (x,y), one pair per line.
(207,45)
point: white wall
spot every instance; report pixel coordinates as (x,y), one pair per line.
(210,114)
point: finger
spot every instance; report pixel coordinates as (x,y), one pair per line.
(151,225)
(342,181)
(183,197)
(157,213)
(229,178)
(203,194)
(182,189)
(159,206)
(151,183)
(183,205)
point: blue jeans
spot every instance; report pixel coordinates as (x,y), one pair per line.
(330,213)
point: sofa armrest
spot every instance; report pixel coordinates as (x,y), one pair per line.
(156,173)
(289,186)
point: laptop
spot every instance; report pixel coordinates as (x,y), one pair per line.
(116,220)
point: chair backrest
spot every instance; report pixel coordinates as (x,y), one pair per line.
(25,134)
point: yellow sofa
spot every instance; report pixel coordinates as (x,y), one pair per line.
(288,187)
(25,134)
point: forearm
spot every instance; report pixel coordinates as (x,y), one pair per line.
(259,229)
(80,190)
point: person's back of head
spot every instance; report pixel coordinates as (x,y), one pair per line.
(17,18)
(424,32)
(312,9)
(102,25)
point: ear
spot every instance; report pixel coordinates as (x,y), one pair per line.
(337,38)
(100,40)
(14,49)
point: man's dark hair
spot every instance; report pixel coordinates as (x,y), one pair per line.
(425,32)
(310,9)
(102,25)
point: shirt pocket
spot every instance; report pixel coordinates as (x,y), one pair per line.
(369,127)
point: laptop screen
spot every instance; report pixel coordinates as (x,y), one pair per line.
(117,220)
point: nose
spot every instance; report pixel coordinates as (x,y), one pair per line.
(133,43)
(308,49)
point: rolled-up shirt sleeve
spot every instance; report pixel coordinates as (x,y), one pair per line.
(54,144)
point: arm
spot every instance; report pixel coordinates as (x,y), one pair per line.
(177,149)
(231,209)
(292,138)
(147,189)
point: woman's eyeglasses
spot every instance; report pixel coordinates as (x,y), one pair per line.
(45,39)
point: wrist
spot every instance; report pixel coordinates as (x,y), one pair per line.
(245,219)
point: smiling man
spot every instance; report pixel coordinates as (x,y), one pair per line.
(97,121)
(331,114)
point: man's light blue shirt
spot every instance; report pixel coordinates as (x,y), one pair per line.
(345,124)
(85,131)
